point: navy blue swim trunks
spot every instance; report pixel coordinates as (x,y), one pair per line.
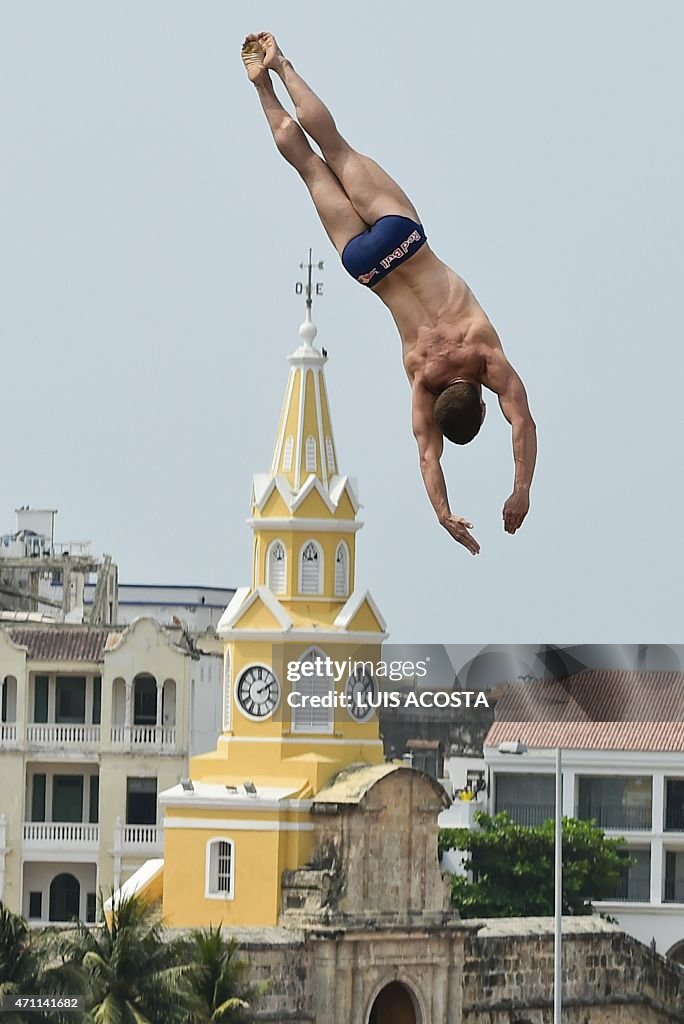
(375,253)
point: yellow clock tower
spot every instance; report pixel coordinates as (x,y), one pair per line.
(301,644)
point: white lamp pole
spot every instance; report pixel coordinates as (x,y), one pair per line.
(518,747)
(558,897)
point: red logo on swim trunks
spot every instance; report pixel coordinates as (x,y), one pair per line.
(365,278)
(400,250)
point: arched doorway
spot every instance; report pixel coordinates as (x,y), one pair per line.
(394,1004)
(65,898)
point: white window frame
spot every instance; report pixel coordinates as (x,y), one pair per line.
(288,454)
(227,694)
(342,591)
(307,719)
(311,454)
(330,454)
(209,869)
(321,569)
(269,552)
(257,560)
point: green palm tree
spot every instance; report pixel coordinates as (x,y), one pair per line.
(217,993)
(131,975)
(19,963)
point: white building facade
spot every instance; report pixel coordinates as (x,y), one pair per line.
(95,722)
(627,776)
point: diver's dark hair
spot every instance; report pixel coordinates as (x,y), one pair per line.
(458,412)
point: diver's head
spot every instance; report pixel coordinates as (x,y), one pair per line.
(459,411)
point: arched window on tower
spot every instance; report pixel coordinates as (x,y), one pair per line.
(342,570)
(287,455)
(277,568)
(313,683)
(311,454)
(311,569)
(330,454)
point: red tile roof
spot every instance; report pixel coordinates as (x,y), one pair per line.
(62,643)
(594,710)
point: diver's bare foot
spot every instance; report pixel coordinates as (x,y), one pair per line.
(273,55)
(252,54)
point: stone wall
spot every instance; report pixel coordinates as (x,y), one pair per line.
(608,977)
(281,959)
(383,851)
(472,972)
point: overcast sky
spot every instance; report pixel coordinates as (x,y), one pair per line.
(150,238)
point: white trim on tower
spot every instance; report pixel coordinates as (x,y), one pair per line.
(283,423)
(300,429)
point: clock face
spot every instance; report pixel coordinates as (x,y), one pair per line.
(257,692)
(360,687)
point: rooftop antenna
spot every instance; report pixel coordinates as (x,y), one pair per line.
(308,329)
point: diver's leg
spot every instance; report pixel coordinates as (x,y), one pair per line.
(372,191)
(337,214)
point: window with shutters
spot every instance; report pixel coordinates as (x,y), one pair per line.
(311,454)
(287,455)
(277,566)
(330,454)
(342,570)
(311,569)
(220,871)
(319,684)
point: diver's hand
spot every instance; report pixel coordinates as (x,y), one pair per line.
(458,527)
(515,510)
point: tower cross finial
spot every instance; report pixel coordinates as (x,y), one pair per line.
(308,288)
(308,329)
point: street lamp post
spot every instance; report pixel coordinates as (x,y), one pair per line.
(518,747)
(558,896)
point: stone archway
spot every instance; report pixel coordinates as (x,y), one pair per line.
(394,1004)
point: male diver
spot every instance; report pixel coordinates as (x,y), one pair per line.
(450,348)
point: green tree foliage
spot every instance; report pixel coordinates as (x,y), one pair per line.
(131,975)
(18,960)
(128,968)
(512,867)
(217,993)
(27,967)
(19,963)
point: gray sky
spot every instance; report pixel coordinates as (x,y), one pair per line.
(149,243)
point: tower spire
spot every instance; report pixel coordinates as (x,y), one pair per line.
(305,445)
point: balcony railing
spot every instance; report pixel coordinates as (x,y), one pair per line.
(8,732)
(69,835)
(141,837)
(674,819)
(634,891)
(144,736)
(674,890)
(528,815)
(617,816)
(60,734)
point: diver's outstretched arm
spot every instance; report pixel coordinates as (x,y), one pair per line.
(502,378)
(430,446)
